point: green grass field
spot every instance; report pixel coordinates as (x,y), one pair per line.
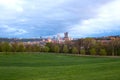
(58,67)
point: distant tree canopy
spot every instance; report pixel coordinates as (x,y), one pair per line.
(56,49)
(87,46)
(82,52)
(5,47)
(65,49)
(74,50)
(93,51)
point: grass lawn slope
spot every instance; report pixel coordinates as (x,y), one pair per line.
(58,67)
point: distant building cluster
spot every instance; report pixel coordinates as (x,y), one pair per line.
(58,38)
(41,41)
(55,39)
(107,39)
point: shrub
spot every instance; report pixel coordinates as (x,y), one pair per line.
(118,52)
(74,50)
(46,49)
(21,48)
(6,47)
(56,49)
(103,52)
(65,49)
(15,47)
(82,52)
(92,51)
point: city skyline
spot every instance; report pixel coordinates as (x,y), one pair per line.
(35,18)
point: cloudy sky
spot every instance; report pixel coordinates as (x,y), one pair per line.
(81,18)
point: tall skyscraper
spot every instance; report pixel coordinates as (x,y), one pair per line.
(66,35)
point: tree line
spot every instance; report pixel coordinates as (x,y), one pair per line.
(87,46)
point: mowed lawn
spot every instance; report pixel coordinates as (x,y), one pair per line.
(48,66)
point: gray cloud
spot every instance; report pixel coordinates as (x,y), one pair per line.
(34,18)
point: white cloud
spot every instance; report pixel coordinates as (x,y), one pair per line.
(49,17)
(13,5)
(106,20)
(23,20)
(19,9)
(12,30)
(8,2)
(10,10)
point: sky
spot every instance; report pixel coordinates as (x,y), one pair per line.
(80,18)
